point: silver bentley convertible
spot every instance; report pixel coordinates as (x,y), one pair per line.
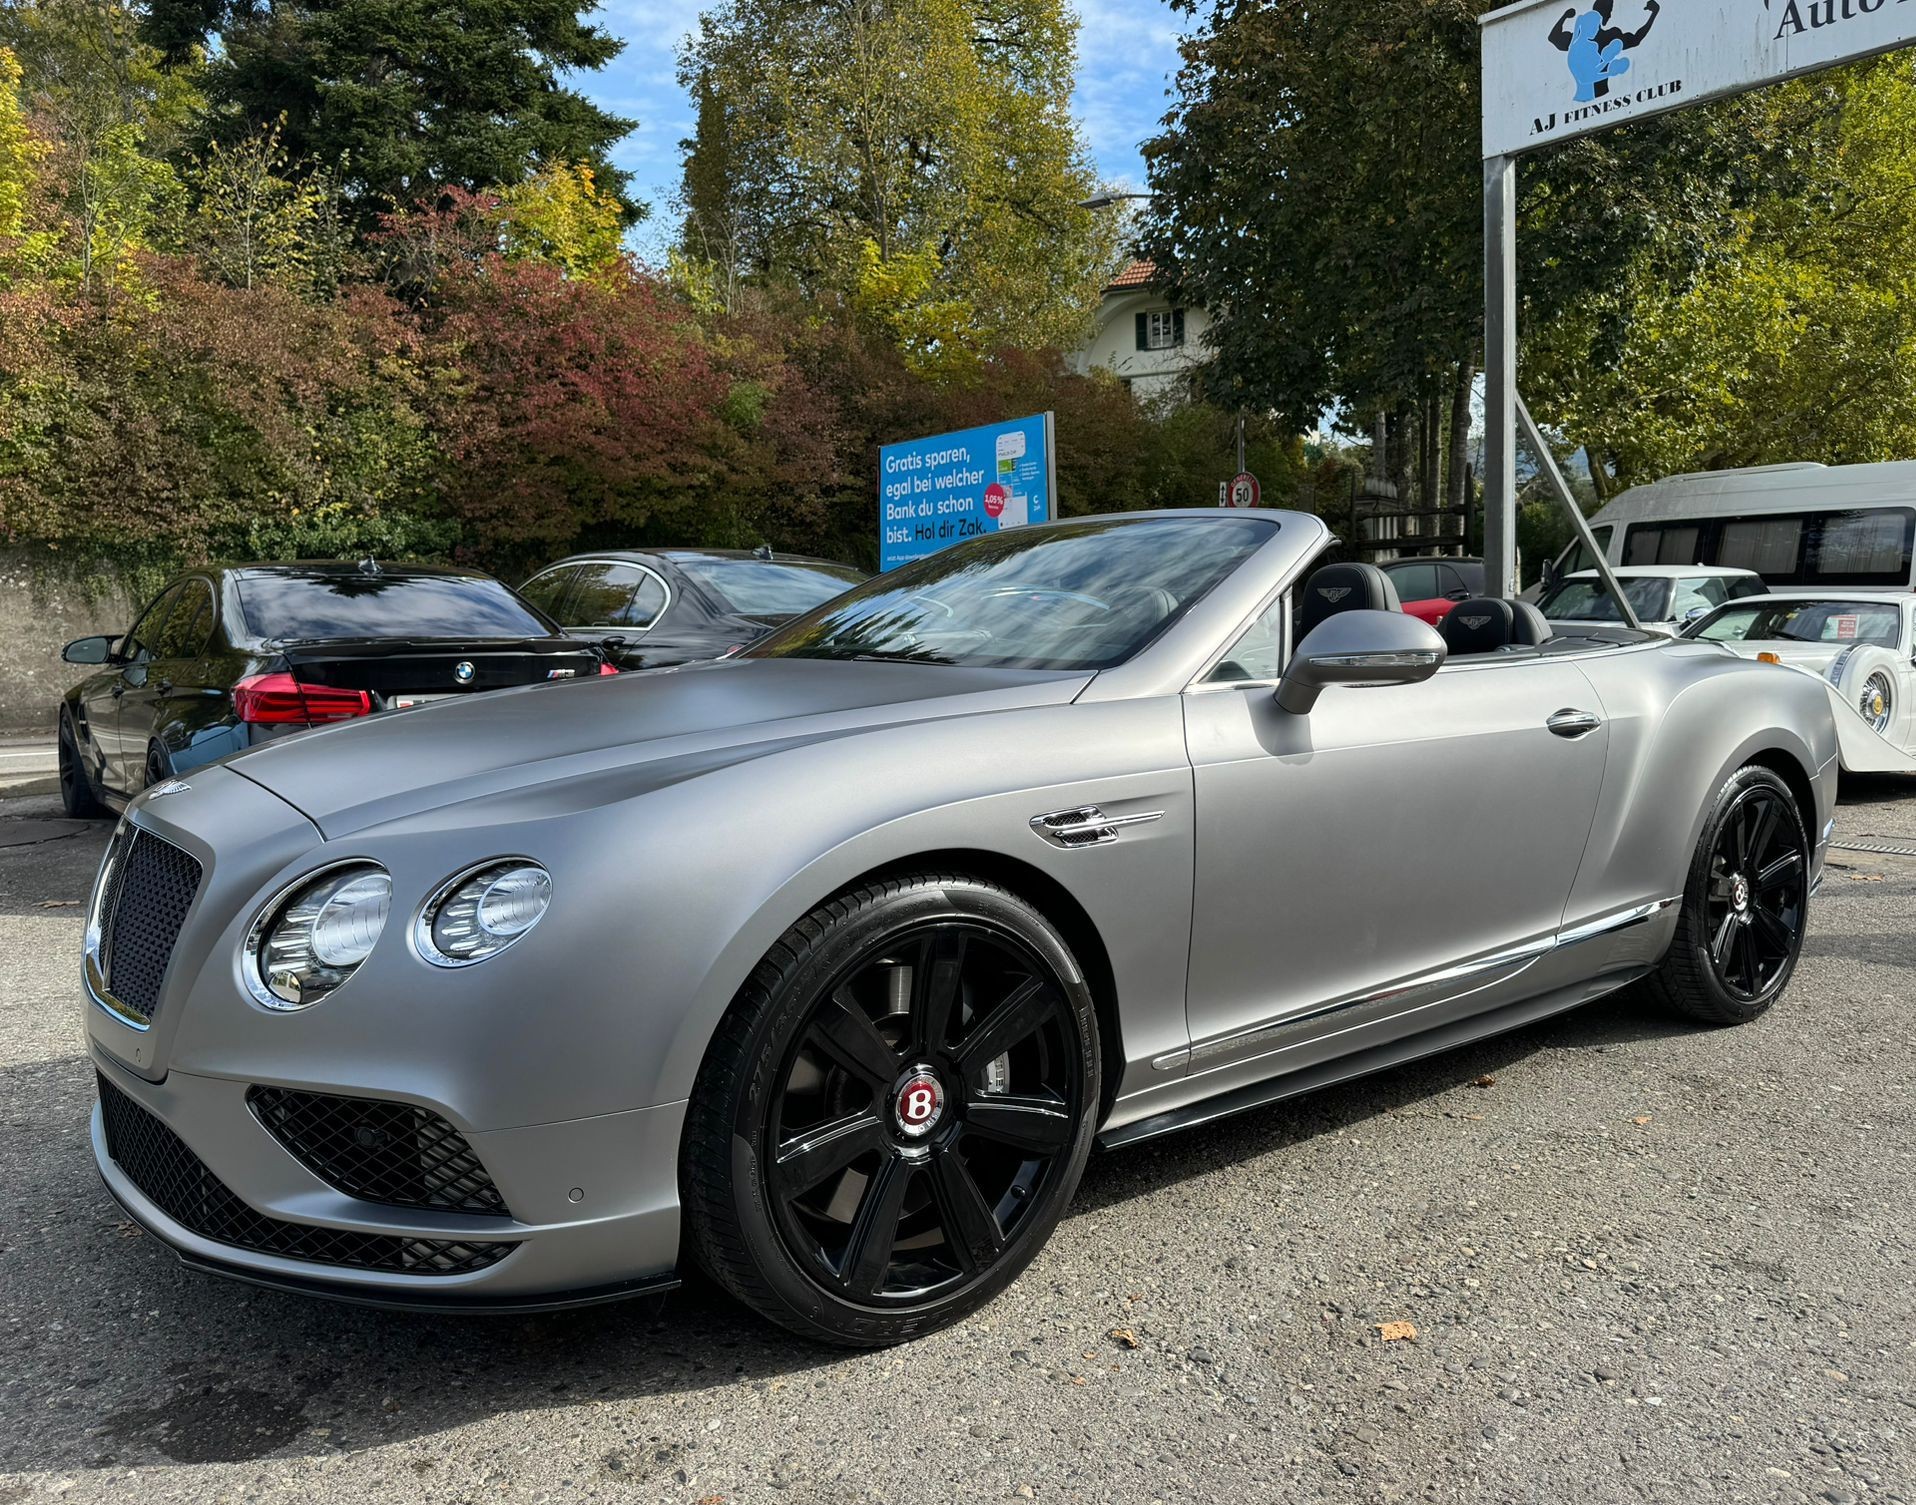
(827,966)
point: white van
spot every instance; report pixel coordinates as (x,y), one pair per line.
(1804,527)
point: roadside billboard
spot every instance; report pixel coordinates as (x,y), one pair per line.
(938,491)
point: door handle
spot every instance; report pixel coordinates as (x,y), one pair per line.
(119,689)
(1574,724)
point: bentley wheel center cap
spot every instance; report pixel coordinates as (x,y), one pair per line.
(1740,893)
(918,1103)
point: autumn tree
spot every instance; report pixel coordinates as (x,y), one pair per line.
(916,159)
(404,98)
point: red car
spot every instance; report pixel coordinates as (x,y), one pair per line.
(1430,587)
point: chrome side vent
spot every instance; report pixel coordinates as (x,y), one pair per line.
(1087,826)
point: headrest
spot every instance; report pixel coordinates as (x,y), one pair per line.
(1345,587)
(1482,624)
(1532,626)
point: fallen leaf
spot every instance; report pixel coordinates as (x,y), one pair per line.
(129,1230)
(1078,1379)
(1485,1081)
(1399,1331)
(1643,1120)
(1125,1336)
(59,903)
(710,1500)
(1865,877)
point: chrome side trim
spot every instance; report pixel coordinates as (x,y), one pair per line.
(1418,992)
(1622,920)
(93,944)
(1087,826)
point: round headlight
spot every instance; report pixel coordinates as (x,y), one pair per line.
(480,913)
(311,939)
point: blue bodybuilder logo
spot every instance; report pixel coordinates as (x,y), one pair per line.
(1594,46)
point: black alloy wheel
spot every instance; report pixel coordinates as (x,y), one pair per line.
(158,770)
(1759,878)
(917,1086)
(1740,930)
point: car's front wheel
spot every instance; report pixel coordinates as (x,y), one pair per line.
(894,1112)
(1744,905)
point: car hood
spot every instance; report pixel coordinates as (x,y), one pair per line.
(609,738)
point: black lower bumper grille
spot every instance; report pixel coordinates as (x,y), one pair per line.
(176,1181)
(396,1153)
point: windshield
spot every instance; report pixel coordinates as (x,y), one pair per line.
(1082,595)
(1589,601)
(1806,622)
(314,608)
(769,587)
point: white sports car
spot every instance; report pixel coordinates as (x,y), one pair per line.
(1862,644)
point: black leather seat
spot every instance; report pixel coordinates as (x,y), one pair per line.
(1485,624)
(1345,587)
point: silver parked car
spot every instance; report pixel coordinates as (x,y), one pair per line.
(826,966)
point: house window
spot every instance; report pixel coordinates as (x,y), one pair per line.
(1161,329)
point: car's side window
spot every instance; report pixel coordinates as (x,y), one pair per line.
(1257,657)
(1416,582)
(184,633)
(139,645)
(647,603)
(604,594)
(547,589)
(1692,594)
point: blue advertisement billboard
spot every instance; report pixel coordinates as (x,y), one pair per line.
(935,492)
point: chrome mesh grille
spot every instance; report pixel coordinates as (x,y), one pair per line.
(396,1153)
(150,884)
(175,1180)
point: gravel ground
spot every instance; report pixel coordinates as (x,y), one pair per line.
(1643,1262)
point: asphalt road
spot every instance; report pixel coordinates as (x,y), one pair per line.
(1643,1261)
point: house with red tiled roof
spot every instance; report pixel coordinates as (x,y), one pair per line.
(1148,343)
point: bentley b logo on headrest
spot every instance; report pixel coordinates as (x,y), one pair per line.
(1475,624)
(1333,593)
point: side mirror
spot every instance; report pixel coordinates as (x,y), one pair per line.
(1360,648)
(88,651)
(1549,576)
(1696,613)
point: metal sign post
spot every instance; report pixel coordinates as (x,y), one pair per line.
(1557,69)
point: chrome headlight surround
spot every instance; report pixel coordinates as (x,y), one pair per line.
(303,903)
(453,927)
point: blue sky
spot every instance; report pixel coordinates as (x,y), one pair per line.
(1127,53)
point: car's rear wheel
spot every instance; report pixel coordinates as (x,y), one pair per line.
(159,767)
(1876,704)
(895,1111)
(77,796)
(1744,906)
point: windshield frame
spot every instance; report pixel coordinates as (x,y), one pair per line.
(1258,529)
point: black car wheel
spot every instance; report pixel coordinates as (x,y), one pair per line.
(77,795)
(159,768)
(895,1111)
(1744,906)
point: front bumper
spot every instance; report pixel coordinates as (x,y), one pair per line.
(619,1236)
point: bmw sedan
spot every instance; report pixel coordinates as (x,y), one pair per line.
(653,608)
(826,966)
(223,659)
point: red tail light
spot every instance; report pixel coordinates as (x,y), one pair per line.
(607,669)
(279,700)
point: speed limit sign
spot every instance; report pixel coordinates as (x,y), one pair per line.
(1244,491)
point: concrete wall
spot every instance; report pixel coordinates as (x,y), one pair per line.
(44,604)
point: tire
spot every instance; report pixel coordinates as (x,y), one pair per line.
(924,1052)
(77,795)
(159,767)
(1745,905)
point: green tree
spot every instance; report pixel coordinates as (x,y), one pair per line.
(252,224)
(915,157)
(1320,193)
(25,244)
(561,215)
(1795,339)
(406,97)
